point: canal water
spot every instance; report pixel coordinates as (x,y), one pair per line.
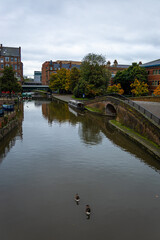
(56,153)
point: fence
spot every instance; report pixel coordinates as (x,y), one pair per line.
(137,107)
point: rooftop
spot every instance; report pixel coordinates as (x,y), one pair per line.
(9,52)
(152,63)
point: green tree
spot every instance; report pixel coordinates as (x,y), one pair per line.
(60,81)
(8,81)
(93,76)
(74,77)
(128,76)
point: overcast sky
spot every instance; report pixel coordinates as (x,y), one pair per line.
(126,30)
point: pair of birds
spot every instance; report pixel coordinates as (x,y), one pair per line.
(88,209)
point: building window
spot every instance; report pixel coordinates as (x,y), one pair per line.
(156,83)
(2,66)
(7,65)
(153,83)
(11,59)
(15,67)
(51,68)
(7,59)
(1,60)
(148,72)
(15,59)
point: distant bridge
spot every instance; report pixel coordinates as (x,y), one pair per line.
(28,88)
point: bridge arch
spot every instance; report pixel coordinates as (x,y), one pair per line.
(110,109)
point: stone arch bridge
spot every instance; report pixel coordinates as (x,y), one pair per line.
(129,114)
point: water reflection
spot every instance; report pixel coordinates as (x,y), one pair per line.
(92,129)
(16,134)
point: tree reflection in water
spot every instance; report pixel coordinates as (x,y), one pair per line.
(92,128)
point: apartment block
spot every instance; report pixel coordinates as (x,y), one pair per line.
(11,56)
(50,67)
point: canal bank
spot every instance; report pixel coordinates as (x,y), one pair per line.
(149,146)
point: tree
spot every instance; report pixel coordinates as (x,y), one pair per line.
(74,77)
(8,81)
(128,76)
(157,91)
(115,89)
(93,76)
(60,81)
(139,88)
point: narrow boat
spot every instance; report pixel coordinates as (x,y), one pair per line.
(8,107)
(76,104)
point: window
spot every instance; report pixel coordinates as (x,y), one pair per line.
(7,59)
(2,66)
(51,68)
(15,66)
(159,71)
(153,83)
(7,65)
(1,60)
(15,59)
(156,83)
(11,59)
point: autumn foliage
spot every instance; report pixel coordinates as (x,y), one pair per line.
(139,88)
(157,91)
(116,88)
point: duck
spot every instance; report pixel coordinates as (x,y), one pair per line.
(77,198)
(88,211)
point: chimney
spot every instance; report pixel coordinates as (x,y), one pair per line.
(115,63)
(108,64)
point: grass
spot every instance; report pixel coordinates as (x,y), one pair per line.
(94,109)
(118,124)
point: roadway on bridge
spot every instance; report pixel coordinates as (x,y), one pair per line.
(153,107)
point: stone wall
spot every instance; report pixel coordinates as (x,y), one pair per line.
(5,130)
(131,118)
(135,120)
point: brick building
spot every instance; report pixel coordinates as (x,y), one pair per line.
(153,69)
(115,68)
(50,67)
(11,56)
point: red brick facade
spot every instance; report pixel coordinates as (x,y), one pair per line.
(153,69)
(50,67)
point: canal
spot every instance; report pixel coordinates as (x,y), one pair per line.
(56,153)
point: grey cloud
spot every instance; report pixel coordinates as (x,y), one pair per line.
(123,30)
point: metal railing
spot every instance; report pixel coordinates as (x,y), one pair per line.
(137,107)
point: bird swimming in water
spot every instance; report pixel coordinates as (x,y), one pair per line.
(77,198)
(88,211)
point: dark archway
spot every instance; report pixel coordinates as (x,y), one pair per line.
(110,109)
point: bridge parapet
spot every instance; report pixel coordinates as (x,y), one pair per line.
(132,115)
